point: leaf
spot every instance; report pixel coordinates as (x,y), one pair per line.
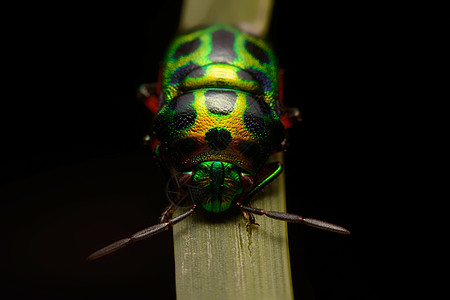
(252,16)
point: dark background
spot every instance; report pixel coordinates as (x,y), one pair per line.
(75,176)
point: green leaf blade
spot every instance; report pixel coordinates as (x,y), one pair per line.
(225,260)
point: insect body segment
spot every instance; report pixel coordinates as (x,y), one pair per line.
(219,100)
(218,124)
(219,116)
(220,56)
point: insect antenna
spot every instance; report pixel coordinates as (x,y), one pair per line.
(294,219)
(140,235)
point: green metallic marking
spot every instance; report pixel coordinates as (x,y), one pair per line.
(158,156)
(200,179)
(220,184)
(200,57)
(221,76)
(216,178)
(233,188)
(265,182)
(270,177)
(248,68)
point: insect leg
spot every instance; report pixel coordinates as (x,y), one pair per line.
(290,117)
(250,218)
(140,235)
(295,219)
(179,184)
(265,176)
(148,93)
(167,213)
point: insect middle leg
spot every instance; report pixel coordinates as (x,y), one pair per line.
(167,213)
(180,194)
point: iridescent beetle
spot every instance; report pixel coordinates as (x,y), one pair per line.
(218,117)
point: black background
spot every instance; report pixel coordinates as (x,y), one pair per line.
(75,177)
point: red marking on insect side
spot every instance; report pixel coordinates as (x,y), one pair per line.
(152,104)
(287,121)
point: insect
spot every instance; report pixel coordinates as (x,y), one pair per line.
(219,115)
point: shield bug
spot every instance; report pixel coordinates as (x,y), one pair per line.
(219,115)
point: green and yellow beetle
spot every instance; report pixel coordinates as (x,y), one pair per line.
(219,115)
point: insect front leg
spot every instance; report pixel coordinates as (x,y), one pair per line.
(177,192)
(167,213)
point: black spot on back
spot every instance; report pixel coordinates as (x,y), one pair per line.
(257,52)
(254,115)
(180,102)
(261,78)
(244,75)
(186,48)
(185,114)
(222,47)
(220,102)
(159,127)
(200,72)
(218,139)
(254,123)
(182,72)
(257,105)
(184,120)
